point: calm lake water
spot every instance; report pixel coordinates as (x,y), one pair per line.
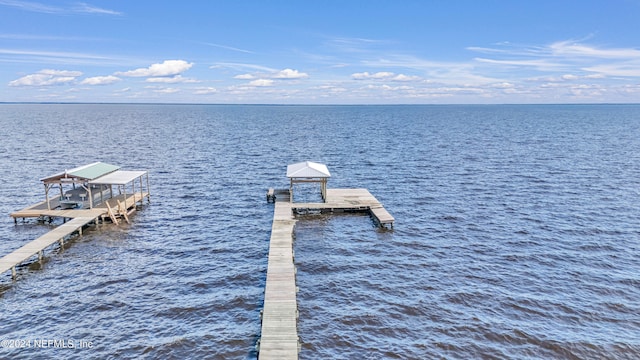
(517,232)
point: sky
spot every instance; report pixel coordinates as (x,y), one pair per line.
(321,51)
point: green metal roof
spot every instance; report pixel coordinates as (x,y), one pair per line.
(83,173)
(93,171)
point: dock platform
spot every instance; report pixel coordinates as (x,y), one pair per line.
(279,338)
(345,200)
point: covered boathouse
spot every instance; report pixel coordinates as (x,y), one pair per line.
(86,194)
(89,185)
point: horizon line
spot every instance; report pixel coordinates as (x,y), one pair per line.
(294,104)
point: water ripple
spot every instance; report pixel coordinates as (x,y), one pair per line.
(516,232)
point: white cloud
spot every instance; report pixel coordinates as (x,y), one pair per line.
(261,82)
(379,75)
(541,64)
(32,6)
(228,47)
(47,77)
(241,66)
(48,9)
(403,77)
(582,61)
(570,77)
(625,69)
(503,85)
(171,80)
(167,68)
(205,91)
(166,90)
(90,9)
(244,77)
(575,49)
(100,80)
(261,77)
(384,75)
(290,74)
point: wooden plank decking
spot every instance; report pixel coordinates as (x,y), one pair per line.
(80,217)
(40,209)
(279,339)
(35,247)
(351,200)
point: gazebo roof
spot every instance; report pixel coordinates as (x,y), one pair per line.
(83,173)
(307,169)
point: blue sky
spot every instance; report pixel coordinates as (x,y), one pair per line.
(321,52)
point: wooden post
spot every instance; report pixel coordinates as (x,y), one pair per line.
(291,190)
(323,189)
(148,190)
(46,195)
(88,194)
(141,194)
(124,189)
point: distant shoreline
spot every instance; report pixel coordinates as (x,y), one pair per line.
(275,104)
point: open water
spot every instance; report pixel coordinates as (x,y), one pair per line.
(517,232)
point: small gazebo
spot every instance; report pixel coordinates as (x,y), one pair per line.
(308,172)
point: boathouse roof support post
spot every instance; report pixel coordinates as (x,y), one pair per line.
(47,187)
(46,196)
(124,190)
(291,190)
(141,194)
(323,189)
(88,189)
(148,189)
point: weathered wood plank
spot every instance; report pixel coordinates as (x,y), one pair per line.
(350,200)
(34,247)
(279,338)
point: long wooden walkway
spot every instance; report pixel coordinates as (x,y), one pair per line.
(37,246)
(279,339)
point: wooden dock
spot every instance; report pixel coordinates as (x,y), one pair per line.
(113,208)
(87,193)
(279,339)
(344,200)
(37,246)
(120,206)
